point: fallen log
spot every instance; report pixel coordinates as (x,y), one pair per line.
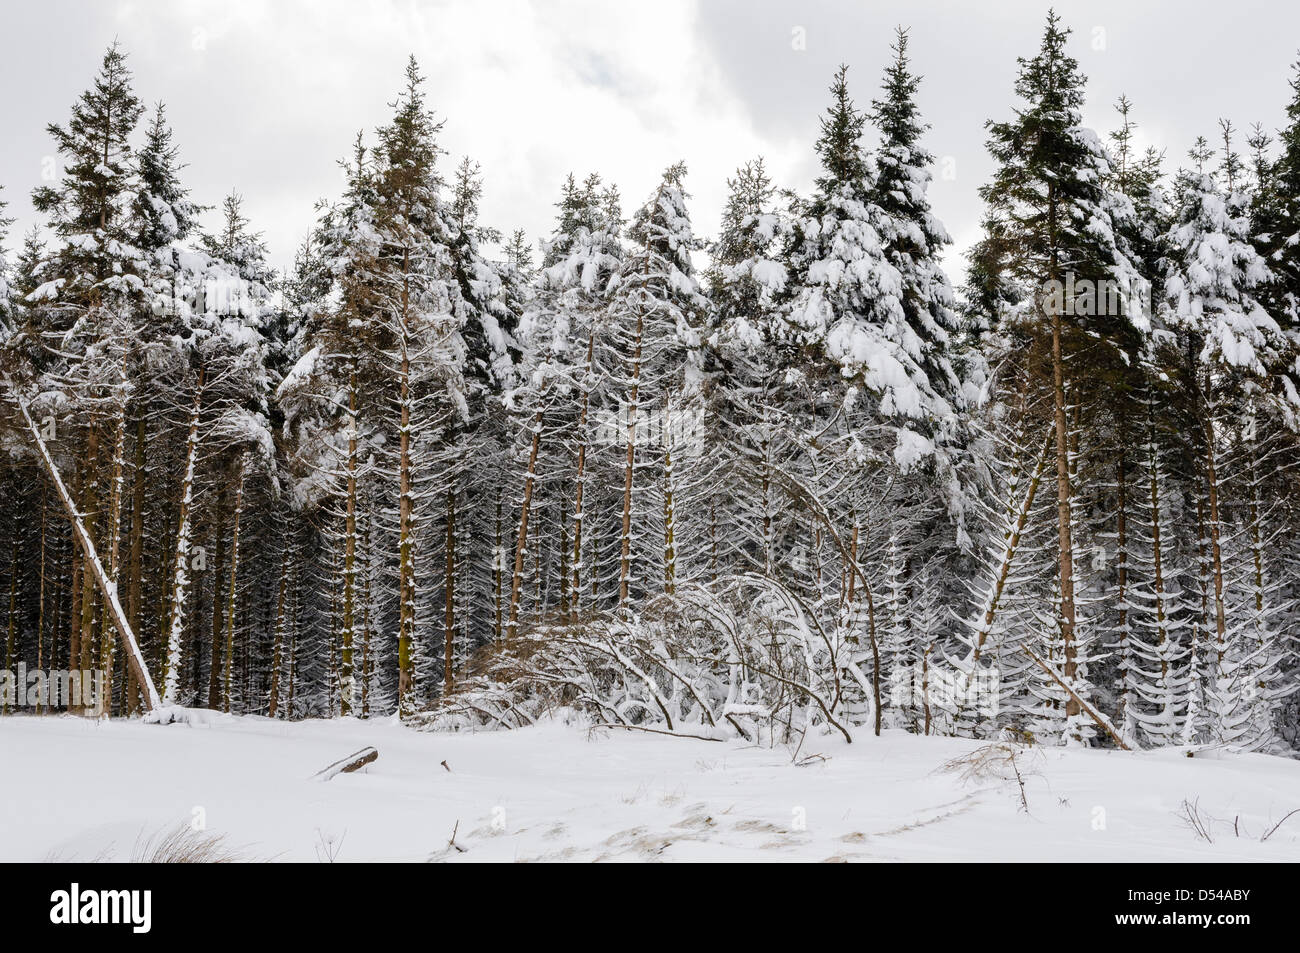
(354,761)
(107,587)
(1102,721)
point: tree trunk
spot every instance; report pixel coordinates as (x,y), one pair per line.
(670,529)
(218,614)
(521,544)
(40,599)
(1216,551)
(277,646)
(625,540)
(107,646)
(349,552)
(11,635)
(1121,541)
(1157,554)
(366,661)
(181,580)
(1063,510)
(229,666)
(73,621)
(135,566)
(405,544)
(498,572)
(90,514)
(106,587)
(293,644)
(449,595)
(578,514)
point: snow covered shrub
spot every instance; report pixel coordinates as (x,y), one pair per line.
(744,657)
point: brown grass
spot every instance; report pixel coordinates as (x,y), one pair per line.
(183,845)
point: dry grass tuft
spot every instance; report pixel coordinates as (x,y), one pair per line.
(993,762)
(183,845)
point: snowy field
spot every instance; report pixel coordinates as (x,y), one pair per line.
(81,790)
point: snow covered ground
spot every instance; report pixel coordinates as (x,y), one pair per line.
(81,790)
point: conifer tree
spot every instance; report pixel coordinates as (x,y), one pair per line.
(1230,344)
(747,361)
(1276,215)
(912,238)
(658,312)
(163,213)
(845,293)
(6,284)
(1055,236)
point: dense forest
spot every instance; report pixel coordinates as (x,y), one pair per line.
(794,477)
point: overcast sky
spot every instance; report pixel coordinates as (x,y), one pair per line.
(265,98)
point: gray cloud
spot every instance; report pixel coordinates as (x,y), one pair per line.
(265,98)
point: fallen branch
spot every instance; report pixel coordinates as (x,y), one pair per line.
(452,842)
(1277,825)
(994,600)
(1102,721)
(988,761)
(654,731)
(107,587)
(352,762)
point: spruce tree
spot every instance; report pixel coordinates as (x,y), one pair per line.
(6,283)
(163,213)
(1231,347)
(658,313)
(912,237)
(89,211)
(1277,215)
(1055,240)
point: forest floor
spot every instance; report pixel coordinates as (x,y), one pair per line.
(79,790)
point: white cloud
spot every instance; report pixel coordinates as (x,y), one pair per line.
(266,97)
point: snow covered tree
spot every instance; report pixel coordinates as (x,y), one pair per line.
(657,312)
(6,285)
(558,333)
(80,320)
(1230,345)
(847,295)
(1276,215)
(89,210)
(912,238)
(746,363)
(1055,266)
(162,211)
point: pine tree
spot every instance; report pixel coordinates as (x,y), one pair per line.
(239,248)
(746,363)
(1055,239)
(912,238)
(90,210)
(1276,216)
(657,310)
(1229,343)
(846,295)
(162,211)
(7,320)
(557,332)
